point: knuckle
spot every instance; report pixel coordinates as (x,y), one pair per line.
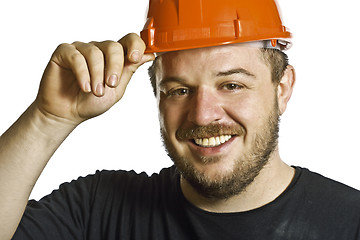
(63,45)
(88,49)
(113,47)
(75,57)
(93,51)
(132,35)
(93,43)
(61,48)
(108,42)
(130,38)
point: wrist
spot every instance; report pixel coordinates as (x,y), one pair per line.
(49,124)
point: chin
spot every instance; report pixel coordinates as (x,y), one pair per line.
(223,171)
(213,168)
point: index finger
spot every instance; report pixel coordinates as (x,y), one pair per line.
(134,47)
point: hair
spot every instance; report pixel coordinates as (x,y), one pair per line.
(152,74)
(274,58)
(277,61)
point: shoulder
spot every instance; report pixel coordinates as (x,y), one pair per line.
(121,179)
(326,190)
(315,180)
(105,182)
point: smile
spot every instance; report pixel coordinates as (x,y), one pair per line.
(212,141)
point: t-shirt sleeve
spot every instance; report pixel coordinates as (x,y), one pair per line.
(106,205)
(61,215)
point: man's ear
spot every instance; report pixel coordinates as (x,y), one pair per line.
(285,88)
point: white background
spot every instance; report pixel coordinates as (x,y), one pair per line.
(320,129)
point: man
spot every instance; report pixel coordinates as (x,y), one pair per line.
(219,108)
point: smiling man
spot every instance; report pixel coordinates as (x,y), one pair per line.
(219,121)
(222,81)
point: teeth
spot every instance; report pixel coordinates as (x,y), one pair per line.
(213,141)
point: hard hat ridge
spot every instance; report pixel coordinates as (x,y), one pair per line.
(183,24)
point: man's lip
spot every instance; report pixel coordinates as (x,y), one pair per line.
(212,141)
(208,150)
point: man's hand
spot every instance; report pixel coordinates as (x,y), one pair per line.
(83,80)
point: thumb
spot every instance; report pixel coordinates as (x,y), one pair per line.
(129,69)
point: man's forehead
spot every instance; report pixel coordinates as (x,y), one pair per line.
(219,58)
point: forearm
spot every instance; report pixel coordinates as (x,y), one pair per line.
(25,149)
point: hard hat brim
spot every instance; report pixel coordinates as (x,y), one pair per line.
(283,40)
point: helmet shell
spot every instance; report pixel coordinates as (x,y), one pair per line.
(184,24)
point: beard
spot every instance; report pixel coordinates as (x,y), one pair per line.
(246,166)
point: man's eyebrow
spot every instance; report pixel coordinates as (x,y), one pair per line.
(219,74)
(235,71)
(170,79)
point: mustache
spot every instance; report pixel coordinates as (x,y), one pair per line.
(209,131)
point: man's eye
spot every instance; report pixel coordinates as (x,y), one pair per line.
(178,92)
(232,86)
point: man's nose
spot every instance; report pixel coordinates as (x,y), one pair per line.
(205,108)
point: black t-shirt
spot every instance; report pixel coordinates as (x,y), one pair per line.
(125,205)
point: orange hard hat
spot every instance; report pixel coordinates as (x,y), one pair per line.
(183,24)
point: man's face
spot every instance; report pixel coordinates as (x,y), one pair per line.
(218,116)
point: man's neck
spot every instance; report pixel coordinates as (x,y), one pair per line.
(272,180)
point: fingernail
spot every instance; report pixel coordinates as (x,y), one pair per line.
(99,89)
(135,56)
(87,87)
(112,80)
